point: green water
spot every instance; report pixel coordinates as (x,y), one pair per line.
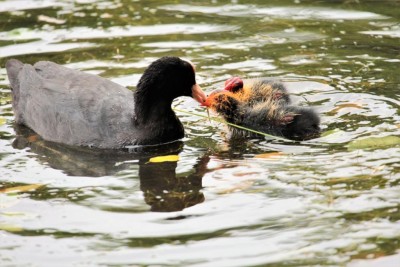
(331,201)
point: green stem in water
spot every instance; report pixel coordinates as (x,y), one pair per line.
(230,124)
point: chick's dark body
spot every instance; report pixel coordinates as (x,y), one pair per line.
(264,105)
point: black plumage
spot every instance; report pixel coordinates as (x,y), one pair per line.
(76,108)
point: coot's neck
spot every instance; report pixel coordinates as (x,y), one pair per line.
(152,111)
(156,119)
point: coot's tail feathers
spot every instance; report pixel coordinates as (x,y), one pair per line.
(23,79)
(13,67)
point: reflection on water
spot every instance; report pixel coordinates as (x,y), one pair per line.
(331,201)
(163,189)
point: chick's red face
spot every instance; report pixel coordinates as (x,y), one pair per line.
(211,97)
(233,84)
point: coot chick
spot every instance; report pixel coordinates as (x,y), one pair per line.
(254,91)
(76,108)
(269,115)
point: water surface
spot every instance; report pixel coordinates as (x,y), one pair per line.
(331,201)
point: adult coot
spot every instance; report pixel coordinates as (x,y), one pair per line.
(76,108)
(263,105)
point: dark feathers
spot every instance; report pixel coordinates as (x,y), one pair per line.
(264,105)
(76,108)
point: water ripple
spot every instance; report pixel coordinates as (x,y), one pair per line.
(295,13)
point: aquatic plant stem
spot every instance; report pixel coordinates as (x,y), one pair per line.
(230,124)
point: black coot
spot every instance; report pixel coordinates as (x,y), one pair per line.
(76,108)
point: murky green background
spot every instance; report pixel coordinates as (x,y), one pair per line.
(332,201)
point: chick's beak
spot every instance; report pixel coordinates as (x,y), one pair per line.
(198,94)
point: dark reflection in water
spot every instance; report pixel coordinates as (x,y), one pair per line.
(163,189)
